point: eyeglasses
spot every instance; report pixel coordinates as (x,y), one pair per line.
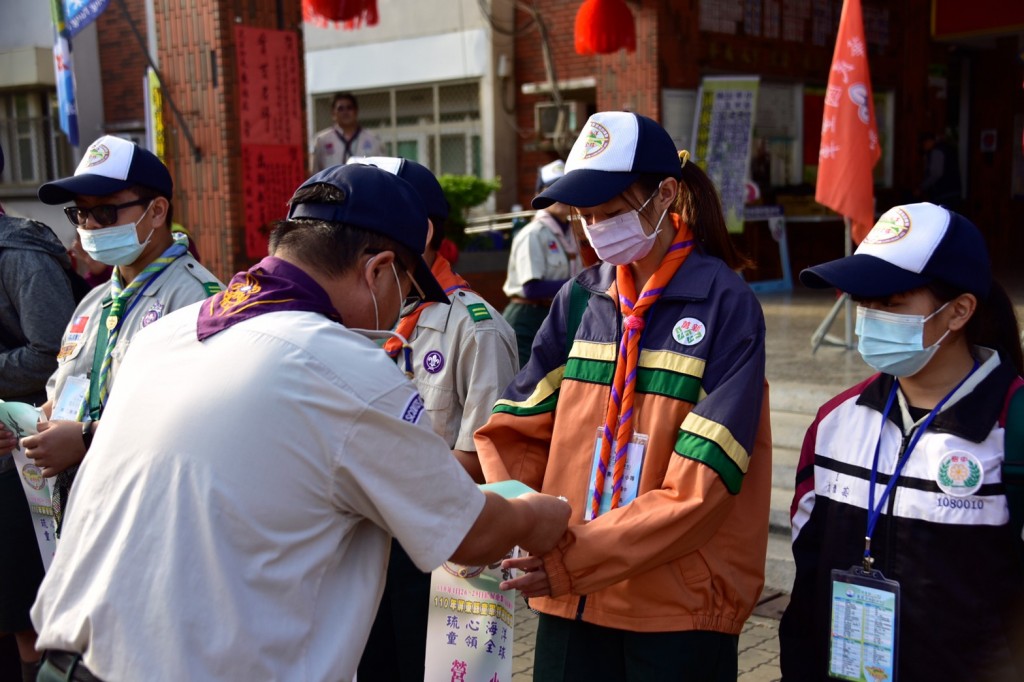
(412,300)
(104,214)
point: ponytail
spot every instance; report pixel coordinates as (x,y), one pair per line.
(699,205)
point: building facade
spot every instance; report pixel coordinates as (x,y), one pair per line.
(936,66)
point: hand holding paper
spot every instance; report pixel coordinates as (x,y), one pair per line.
(551,519)
(57,446)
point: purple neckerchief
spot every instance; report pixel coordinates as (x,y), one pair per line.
(270,286)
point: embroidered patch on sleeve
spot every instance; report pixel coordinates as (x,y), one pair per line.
(478,311)
(413,409)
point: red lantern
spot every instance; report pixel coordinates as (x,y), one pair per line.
(349,13)
(604,26)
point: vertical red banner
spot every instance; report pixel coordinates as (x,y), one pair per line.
(849,135)
(270,112)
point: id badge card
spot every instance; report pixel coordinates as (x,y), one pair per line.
(630,477)
(69,403)
(864,640)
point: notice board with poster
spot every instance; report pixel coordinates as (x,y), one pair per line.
(272,136)
(722,130)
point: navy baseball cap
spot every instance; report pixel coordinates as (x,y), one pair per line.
(110,165)
(910,247)
(417,175)
(613,151)
(377,201)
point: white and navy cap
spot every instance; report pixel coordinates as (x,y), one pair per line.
(910,247)
(548,173)
(110,165)
(417,175)
(613,151)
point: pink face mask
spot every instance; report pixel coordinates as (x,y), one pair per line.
(621,240)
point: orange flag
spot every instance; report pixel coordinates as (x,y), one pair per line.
(849,135)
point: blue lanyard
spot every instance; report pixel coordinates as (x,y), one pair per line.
(875,512)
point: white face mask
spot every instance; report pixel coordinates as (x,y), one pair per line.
(621,240)
(376,310)
(115,245)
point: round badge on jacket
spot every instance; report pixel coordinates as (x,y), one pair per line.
(960,473)
(689,331)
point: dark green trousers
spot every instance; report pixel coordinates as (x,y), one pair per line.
(573,650)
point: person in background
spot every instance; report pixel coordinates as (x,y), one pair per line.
(122,210)
(903,474)
(235,524)
(463,356)
(346,138)
(36,302)
(645,404)
(544,256)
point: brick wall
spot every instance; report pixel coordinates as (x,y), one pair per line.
(123,63)
(559,16)
(197,57)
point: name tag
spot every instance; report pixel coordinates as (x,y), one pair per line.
(865,626)
(71,401)
(630,478)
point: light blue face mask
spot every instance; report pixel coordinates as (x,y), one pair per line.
(117,244)
(892,343)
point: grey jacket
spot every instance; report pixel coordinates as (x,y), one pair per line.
(35,305)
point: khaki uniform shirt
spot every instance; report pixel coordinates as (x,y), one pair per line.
(464,355)
(329,149)
(184,281)
(541,251)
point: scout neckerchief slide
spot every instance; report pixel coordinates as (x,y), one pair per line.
(865,619)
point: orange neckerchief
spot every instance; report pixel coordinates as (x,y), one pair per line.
(449,281)
(618,426)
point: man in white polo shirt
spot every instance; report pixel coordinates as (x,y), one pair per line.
(235,523)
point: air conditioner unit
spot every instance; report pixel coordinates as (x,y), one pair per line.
(545,116)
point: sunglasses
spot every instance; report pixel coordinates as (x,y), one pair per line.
(104,214)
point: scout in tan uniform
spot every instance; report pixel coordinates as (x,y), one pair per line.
(463,356)
(122,210)
(544,256)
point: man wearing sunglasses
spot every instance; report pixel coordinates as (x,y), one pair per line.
(121,209)
(463,355)
(346,138)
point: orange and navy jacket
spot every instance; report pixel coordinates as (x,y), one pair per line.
(689,552)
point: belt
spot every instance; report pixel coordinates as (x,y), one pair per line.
(530,301)
(66,660)
(6,463)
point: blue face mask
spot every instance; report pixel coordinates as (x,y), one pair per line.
(115,245)
(892,343)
